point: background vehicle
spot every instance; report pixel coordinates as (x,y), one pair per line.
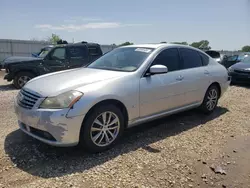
(231,60)
(125,87)
(58,58)
(13,59)
(214,54)
(240,72)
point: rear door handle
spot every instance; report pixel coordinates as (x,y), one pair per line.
(179,78)
(206,72)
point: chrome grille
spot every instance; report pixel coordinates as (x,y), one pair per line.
(26,99)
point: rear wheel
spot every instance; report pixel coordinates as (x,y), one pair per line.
(210,100)
(22,78)
(102,129)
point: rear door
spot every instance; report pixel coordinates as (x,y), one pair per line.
(56,60)
(196,75)
(78,56)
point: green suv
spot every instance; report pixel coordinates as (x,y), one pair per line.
(59,58)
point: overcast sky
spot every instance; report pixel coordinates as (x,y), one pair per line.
(225,23)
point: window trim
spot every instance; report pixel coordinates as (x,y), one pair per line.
(144,74)
(182,62)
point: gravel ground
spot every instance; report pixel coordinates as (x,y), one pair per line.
(184,150)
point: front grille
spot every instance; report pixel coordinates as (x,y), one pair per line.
(242,72)
(26,99)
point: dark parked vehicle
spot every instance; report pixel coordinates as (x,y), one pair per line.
(240,72)
(57,59)
(231,60)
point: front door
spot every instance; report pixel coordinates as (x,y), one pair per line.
(56,60)
(78,56)
(162,92)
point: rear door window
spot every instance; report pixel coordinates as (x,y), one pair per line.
(204,58)
(94,51)
(190,58)
(78,52)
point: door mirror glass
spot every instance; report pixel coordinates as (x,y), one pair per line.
(158,69)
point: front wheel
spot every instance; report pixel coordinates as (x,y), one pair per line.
(22,78)
(102,129)
(210,100)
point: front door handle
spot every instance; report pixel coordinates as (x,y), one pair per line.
(179,78)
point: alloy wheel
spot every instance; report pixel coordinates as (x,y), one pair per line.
(105,129)
(212,98)
(23,80)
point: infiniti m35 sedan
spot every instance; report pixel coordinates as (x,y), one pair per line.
(91,106)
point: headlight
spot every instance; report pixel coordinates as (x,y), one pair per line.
(230,69)
(64,100)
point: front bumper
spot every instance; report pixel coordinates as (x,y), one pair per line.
(50,126)
(9,77)
(240,77)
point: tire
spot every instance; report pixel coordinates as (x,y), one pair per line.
(94,136)
(22,78)
(212,92)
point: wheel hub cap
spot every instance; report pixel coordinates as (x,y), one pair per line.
(212,99)
(105,129)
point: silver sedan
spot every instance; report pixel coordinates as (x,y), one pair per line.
(128,86)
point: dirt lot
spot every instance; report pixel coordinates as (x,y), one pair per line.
(183,150)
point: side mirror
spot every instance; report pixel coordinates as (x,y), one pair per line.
(158,69)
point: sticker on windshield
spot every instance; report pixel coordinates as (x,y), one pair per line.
(143,50)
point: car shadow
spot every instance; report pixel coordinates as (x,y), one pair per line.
(46,161)
(7,87)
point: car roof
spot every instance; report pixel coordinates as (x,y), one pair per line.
(77,44)
(161,45)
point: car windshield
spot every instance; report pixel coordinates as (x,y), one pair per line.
(44,52)
(246,59)
(122,59)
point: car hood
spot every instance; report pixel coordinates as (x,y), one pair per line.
(55,83)
(241,65)
(15,59)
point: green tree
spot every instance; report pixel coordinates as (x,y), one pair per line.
(203,44)
(183,43)
(245,49)
(126,44)
(53,39)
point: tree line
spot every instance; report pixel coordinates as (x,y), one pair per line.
(203,44)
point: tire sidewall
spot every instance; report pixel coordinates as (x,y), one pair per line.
(85,138)
(16,78)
